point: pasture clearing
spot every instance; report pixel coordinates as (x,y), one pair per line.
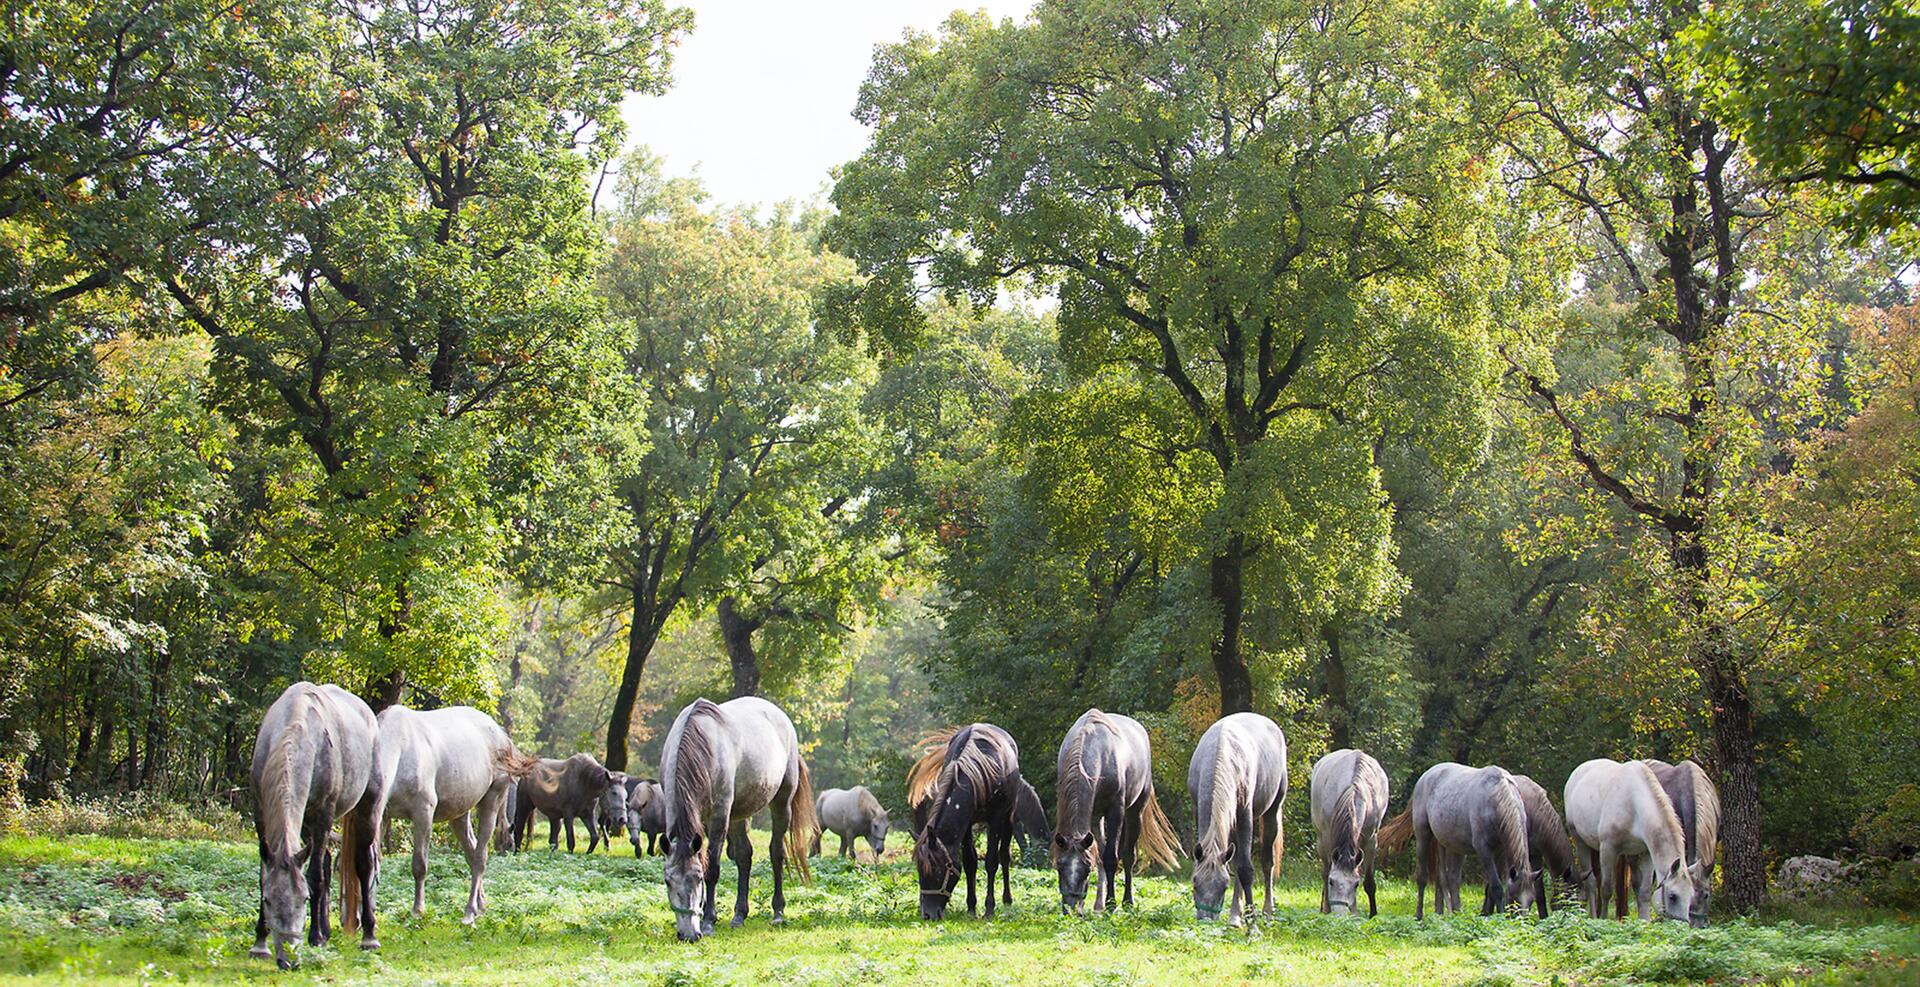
(101,909)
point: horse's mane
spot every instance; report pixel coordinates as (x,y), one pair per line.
(1077,784)
(1705,810)
(692,770)
(1669,818)
(1546,831)
(979,765)
(1029,817)
(1345,821)
(278,774)
(1216,825)
(1510,823)
(869,803)
(933,755)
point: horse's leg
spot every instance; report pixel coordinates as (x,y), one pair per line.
(593,829)
(569,819)
(1130,848)
(1372,908)
(1540,891)
(422,835)
(487,818)
(780,812)
(740,849)
(1006,861)
(1608,858)
(716,846)
(993,861)
(1456,864)
(1422,865)
(1242,866)
(1643,885)
(969,859)
(462,826)
(1326,866)
(1494,898)
(316,883)
(1110,834)
(846,846)
(366,860)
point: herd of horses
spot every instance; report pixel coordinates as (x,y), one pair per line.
(322,757)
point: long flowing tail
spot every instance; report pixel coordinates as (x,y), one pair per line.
(803,822)
(1396,833)
(1159,844)
(516,764)
(353,831)
(933,755)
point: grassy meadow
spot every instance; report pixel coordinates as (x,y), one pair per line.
(101,909)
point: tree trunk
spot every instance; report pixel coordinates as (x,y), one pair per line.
(1333,669)
(648,619)
(1229,594)
(515,669)
(736,634)
(386,690)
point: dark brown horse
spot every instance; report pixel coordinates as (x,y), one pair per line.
(969,775)
(563,791)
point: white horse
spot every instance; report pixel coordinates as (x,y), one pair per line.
(1618,810)
(441,765)
(721,764)
(311,764)
(1460,811)
(1696,803)
(1347,797)
(851,813)
(1238,778)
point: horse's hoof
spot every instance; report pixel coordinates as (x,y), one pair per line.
(738,921)
(260,953)
(779,920)
(370,944)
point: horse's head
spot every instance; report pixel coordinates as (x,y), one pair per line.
(1210,879)
(1673,892)
(283,902)
(1702,895)
(1519,880)
(877,833)
(937,846)
(1073,859)
(686,873)
(1343,881)
(613,807)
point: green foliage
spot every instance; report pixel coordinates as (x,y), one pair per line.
(1823,91)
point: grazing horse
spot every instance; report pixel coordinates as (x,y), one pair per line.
(1238,778)
(1459,811)
(611,809)
(721,764)
(1619,810)
(1106,809)
(1548,849)
(562,791)
(1030,826)
(312,763)
(646,813)
(968,775)
(850,813)
(1347,797)
(443,765)
(1697,805)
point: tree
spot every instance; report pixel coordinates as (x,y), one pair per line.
(741,493)
(1263,211)
(1821,91)
(1691,352)
(417,297)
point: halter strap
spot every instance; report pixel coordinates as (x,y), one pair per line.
(689,912)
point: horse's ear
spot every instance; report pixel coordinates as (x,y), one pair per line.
(1674,871)
(694,843)
(1086,842)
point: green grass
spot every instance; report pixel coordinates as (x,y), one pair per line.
(102,909)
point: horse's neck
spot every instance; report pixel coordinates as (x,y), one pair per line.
(1656,824)
(1218,799)
(287,779)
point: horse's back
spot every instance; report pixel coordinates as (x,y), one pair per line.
(1338,771)
(1599,800)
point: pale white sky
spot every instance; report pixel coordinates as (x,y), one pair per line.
(763,92)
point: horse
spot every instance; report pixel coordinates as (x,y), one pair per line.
(1030,826)
(443,765)
(562,790)
(1619,810)
(1697,805)
(850,813)
(722,763)
(967,775)
(1456,811)
(1548,849)
(503,820)
(611,808)
(1347,796)
(1238,778)
(646,813)
(1105,786)
(312,763)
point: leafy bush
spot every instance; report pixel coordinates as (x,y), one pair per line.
(134,816)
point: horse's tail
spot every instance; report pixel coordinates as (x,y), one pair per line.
(926,770)
(1622,877)
(354,831)
(803,822)
(516,764)
(1158,841)
(1395,833)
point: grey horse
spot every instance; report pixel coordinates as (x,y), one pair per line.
(1106,809)
(1347,798)
(1238,778)
(1549,851)
(312,762)
(851,813)
(646,815)
(1460,811)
